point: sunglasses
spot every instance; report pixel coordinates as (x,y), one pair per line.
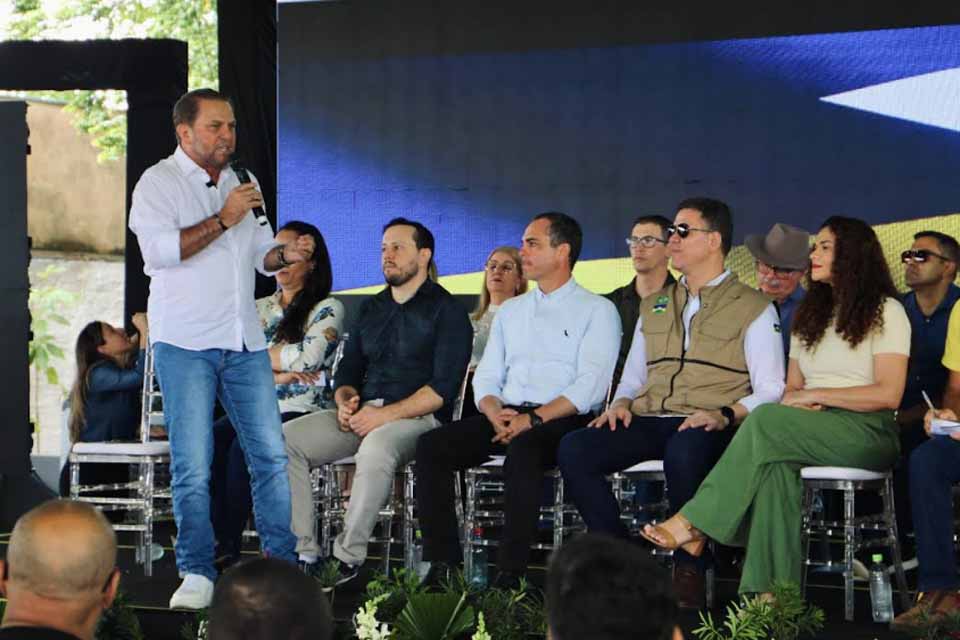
(683,230)
(647,242)
(920,256)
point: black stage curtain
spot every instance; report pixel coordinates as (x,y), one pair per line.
(247,34)
(154,75)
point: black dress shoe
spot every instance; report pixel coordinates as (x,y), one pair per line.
(438,577)
(689,587)
(508,581)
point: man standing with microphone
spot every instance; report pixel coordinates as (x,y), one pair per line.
(201,241)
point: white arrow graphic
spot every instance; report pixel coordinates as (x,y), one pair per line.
(931,98)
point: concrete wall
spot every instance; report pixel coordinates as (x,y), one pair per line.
(97,283)
(74,203)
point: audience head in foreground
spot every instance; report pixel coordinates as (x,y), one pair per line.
(268,598)
(604,588)
(56,581)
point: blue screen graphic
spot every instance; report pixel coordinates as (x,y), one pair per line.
(785,129)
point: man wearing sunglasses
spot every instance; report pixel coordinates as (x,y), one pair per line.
(705,353)
(647,244)
(930,267)
(56,585)
(782,258)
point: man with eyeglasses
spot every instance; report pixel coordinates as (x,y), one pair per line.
(705,353)
(782,258)
(647,244)
(546,368)
(58,584)
(399,375)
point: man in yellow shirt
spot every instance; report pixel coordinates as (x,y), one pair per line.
(934,468)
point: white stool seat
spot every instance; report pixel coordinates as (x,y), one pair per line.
(841,473)
(347,460)
(647,466)
(155,448)
(494,461)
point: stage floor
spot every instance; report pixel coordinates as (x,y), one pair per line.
(149,597)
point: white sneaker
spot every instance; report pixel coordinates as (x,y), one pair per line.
(195,592)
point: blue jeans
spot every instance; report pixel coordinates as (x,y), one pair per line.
(934,468)
(587,456)
(190,381)
(230,497)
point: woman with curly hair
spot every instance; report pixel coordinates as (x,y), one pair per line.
(848,366)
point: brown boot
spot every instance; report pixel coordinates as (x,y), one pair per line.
(936,603)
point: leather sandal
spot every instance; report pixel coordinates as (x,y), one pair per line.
(662,538)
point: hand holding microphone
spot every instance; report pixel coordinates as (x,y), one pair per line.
(251,198)
(240,200)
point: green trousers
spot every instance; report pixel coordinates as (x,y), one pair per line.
(752,497)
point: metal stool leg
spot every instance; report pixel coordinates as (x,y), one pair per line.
(458,503)
(74,480)
(409,535)
(557,512)
(890,520)
(468,522)
(330,492)
(146,480)
(849,544)
(807,515)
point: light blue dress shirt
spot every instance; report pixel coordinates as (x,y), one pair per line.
(543,346)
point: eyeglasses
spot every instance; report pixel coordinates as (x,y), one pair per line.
(647,242)
(503,267)
(780,272)
(683,230)
(920,255)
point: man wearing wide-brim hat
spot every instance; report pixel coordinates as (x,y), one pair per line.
(782,258)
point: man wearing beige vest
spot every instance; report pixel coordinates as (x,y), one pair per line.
(705,352)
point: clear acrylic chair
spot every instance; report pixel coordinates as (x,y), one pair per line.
(852,531)
(146,457)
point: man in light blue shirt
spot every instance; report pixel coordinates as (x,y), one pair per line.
(547,365)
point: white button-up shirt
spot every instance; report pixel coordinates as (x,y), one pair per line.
(762,349)
(207,300)
(543,346)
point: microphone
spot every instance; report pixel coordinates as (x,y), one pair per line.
(244,178)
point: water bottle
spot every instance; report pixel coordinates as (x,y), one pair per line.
(478,556)
(881,595)
(419,566)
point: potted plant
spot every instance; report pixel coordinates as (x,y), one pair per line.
(785,617)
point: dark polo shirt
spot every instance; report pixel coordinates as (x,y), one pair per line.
(927,340)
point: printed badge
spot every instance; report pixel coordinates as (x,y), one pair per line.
(660,306)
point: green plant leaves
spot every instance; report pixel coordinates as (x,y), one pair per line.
(434,616)
(786,618)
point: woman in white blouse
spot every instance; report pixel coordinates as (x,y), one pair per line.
(302,324)
(502,280)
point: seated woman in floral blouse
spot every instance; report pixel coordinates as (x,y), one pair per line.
(302,324)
